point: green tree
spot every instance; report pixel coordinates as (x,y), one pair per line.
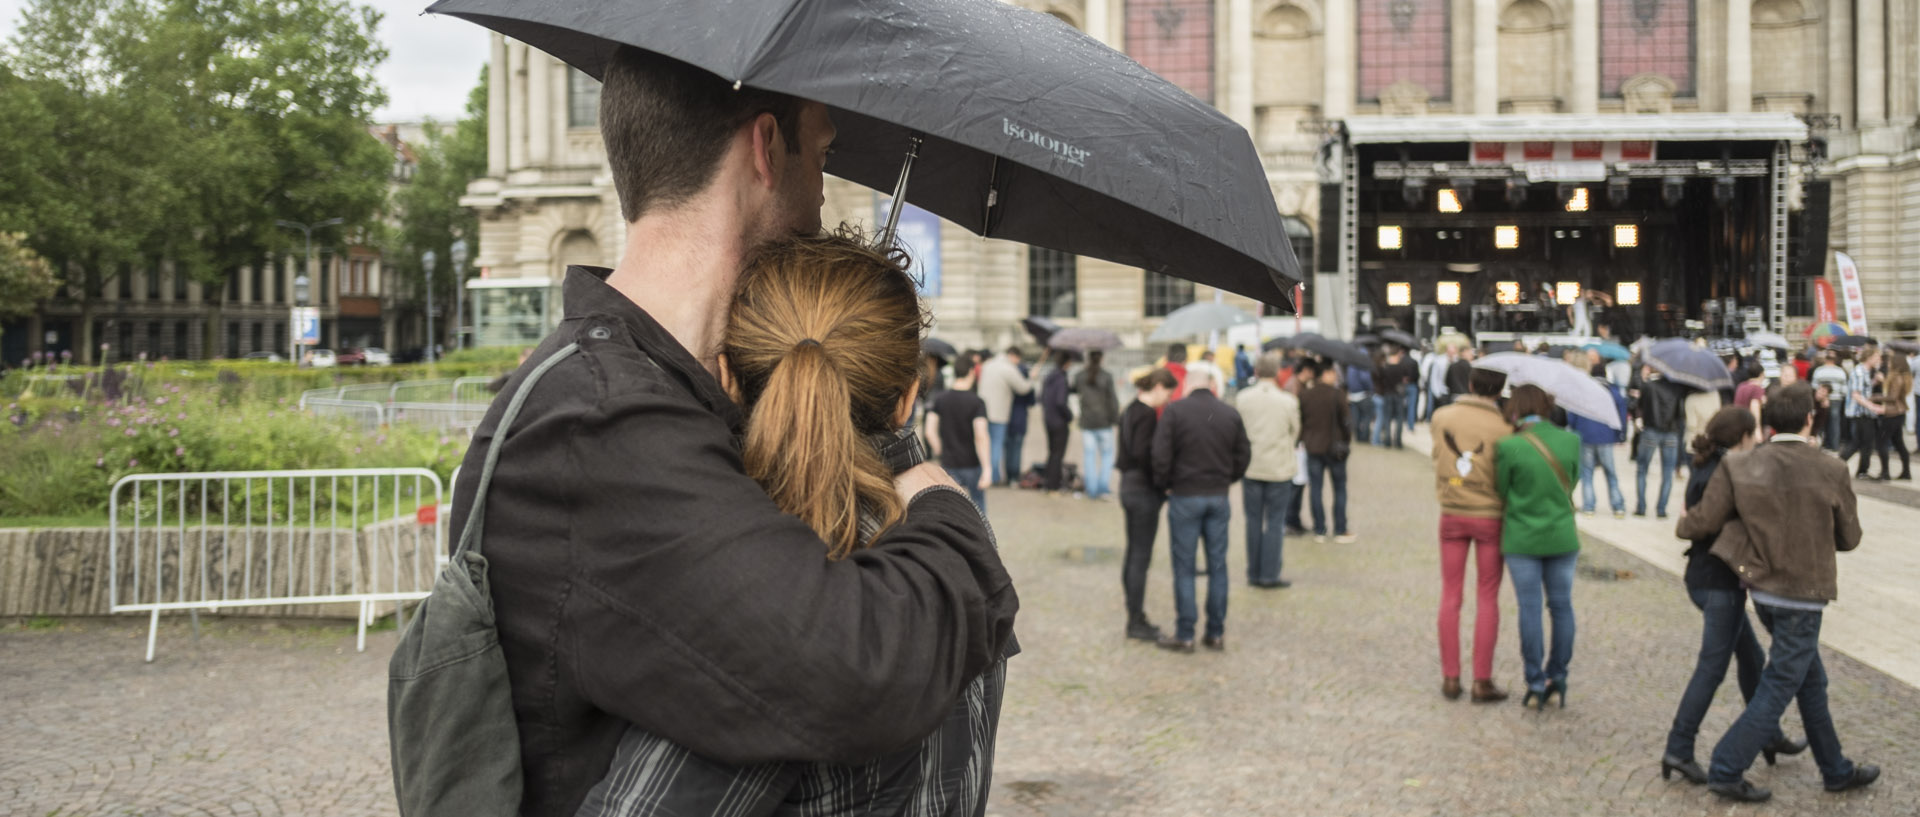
(184,129)
(427,211)
(26,279)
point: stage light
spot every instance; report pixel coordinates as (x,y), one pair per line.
(1399,294)
(1577,203)
(1723,190)
(1672,190)
(1412,191)
(1389,237)
(1447,293)
(1619,189)
(1449,200)
(1507,292)
(1627,293)
(1626,235)
(1566,292)
(1516,193)
(1506,237)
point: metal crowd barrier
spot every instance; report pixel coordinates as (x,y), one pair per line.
(365,413)
(463,417)
(446,403)
(228,539)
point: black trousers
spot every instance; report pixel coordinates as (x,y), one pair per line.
(1892,436)
(1142,509)
(1865,438)
(1056,455)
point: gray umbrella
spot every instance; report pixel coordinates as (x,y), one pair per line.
(1016,125)
(1083,339)
(1335,350)
(1199,319)
(1688,365)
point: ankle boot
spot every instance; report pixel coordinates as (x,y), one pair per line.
(1450,687)
(1484,692)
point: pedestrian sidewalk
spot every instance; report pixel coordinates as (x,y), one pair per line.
(1874,619)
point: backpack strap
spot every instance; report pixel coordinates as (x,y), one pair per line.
(476,517)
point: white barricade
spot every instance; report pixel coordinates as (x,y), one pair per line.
(205,541)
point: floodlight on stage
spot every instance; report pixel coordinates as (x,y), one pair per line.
(1723,190)
(1627,293)
(1507,292)
(1399,294)
(1577,203)
(1506,237)
(1516,193)
(1389,237)
(1566,292)
(1412,191)
(1619,189)
(1447,293)
(1449,200)
(1672,190)
(1626,235)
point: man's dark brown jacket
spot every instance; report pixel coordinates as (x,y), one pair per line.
(1782,511)
(639,576)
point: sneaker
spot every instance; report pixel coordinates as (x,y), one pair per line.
(1144,631)
(1588,513)
(1319,537)
(1346,539)
(1619,513)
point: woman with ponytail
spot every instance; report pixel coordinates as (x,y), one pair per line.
(1715,589)
(823,351)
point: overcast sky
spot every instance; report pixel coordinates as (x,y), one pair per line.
(432,61)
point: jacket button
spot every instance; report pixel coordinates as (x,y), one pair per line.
(599,333)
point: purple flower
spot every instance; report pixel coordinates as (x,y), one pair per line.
(160,401)
(133,463)
(180,451)
(356,449)
(131,432)
(173,432)
(113,421)
(100,462)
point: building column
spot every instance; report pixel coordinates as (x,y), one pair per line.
(1240,62)
(1099,22)
(1340,69)
(539,108)
(516,105)
(1870,63)
(1486,57)
(1586,57)
(1739,56)
(498,75)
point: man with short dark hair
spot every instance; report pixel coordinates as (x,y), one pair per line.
(1200,449)
(1780,512)
(1327,432)
(638,576)
(1002,382)
(957,430)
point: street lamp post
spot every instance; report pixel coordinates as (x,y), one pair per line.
(459,258)
(301,282)
(426,262)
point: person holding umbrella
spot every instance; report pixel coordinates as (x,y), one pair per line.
(1534,470)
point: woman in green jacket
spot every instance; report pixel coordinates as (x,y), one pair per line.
(1533,470)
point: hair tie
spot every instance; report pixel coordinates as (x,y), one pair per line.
(806,342)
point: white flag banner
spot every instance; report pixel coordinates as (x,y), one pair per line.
(1855,302)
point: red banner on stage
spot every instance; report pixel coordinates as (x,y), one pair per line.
(1824,310)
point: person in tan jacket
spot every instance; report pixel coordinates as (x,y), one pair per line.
(1464,435)
(1782,511)
(1272,417)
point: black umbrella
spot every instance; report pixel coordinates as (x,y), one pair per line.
(1852,341)
(1023,127)
(1907,346)
(1365,339)
(1399,338)
(1337,351)
(935,347)
(1040,327)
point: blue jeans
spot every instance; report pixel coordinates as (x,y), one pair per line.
(1554,573)
(1727,636)
(1667,443)
(996,444)
(1413,405)
(969,479)
(1836,424)
(1391,409)
(1266,504)
(1317,466)
(1793,672)
(1362,418)
(1096,458)
(1015,445)
(1601,457)
(1190,519)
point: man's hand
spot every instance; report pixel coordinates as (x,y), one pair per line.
(986,479)
(919,478)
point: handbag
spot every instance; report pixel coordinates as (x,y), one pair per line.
(450,723)
(1339,450)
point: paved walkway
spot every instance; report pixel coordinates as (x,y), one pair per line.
(1325,703)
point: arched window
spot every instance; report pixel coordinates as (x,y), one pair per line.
(1174,38)
(1647,37)
(1405,41)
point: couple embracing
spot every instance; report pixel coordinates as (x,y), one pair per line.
(723,581)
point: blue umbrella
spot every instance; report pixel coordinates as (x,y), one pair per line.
(1688,365)
(1610,350)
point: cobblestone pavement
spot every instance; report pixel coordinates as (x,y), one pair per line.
(1325,703)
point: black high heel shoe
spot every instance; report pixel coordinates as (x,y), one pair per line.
(1553,687)
(1782,746)
(1688,769)
(1535,699)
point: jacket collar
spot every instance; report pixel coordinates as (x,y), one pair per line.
(585,293)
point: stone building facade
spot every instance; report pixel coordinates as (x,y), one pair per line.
(1290,71)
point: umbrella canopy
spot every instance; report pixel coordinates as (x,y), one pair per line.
(1365,339)
(1572,389)
(1024,128)
(935,347)
(1688,365)
(1199,319)
(1852,342)
(1907,346)
(1399,338)
(1313,343)
(1610,350)
(1769,340)
(1084,339)
(1040,327)
(1824,333)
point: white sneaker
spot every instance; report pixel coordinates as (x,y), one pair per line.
(1319,537)
(1346,539)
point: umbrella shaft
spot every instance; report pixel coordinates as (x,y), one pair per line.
(900,190)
